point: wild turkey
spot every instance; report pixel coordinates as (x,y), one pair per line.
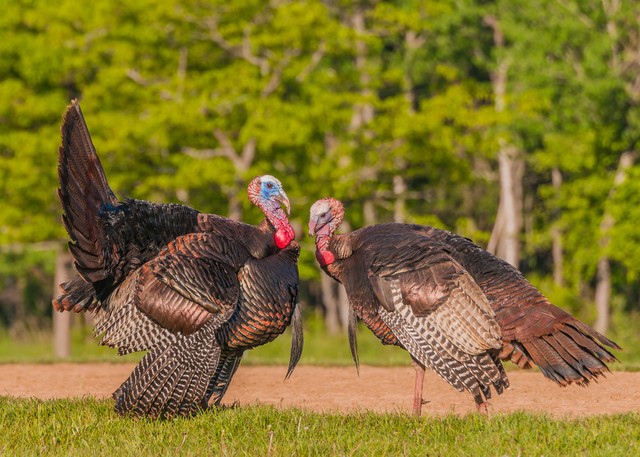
(195,290)
(455,307)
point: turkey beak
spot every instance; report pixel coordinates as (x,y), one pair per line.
(312,227)
(283,199)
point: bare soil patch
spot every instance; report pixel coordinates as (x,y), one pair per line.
(341,389)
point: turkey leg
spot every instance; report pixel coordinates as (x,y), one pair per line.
(417,392)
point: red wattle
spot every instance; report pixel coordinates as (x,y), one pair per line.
(282,238)
(324,257)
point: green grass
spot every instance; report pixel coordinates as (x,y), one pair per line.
(90,427)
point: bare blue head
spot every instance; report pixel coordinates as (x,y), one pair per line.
(267,192)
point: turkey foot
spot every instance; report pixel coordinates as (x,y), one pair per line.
(235,404)
(483,408)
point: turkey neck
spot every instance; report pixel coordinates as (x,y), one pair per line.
(322,242)
(330,251)
(284,233)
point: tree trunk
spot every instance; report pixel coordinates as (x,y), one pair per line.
(342,299)
(399,192)
(603,295)
(496,233)
(369,213)
(343,306)
(363,112)
(603,275)
(511,174)
(505,238)
(412,43)
(557,252)
(61,321)
(361,116)
(330,302)
(234,211)
(334,296)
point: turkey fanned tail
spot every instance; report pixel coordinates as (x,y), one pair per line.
(83,193)
(171,380)
(572,354)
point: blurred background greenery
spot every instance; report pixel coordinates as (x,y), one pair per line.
(515,123)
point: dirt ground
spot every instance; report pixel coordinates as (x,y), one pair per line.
(340,389)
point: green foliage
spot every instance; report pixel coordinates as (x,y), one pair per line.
(625,235)
(90,427)
(26,279)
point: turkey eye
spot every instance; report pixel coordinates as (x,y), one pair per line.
(269,185)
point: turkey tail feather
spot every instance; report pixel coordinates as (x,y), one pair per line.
(219,383)
(297,339)
(83,193)
(503,382)
(77,295)
(574,353)
(353,340)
